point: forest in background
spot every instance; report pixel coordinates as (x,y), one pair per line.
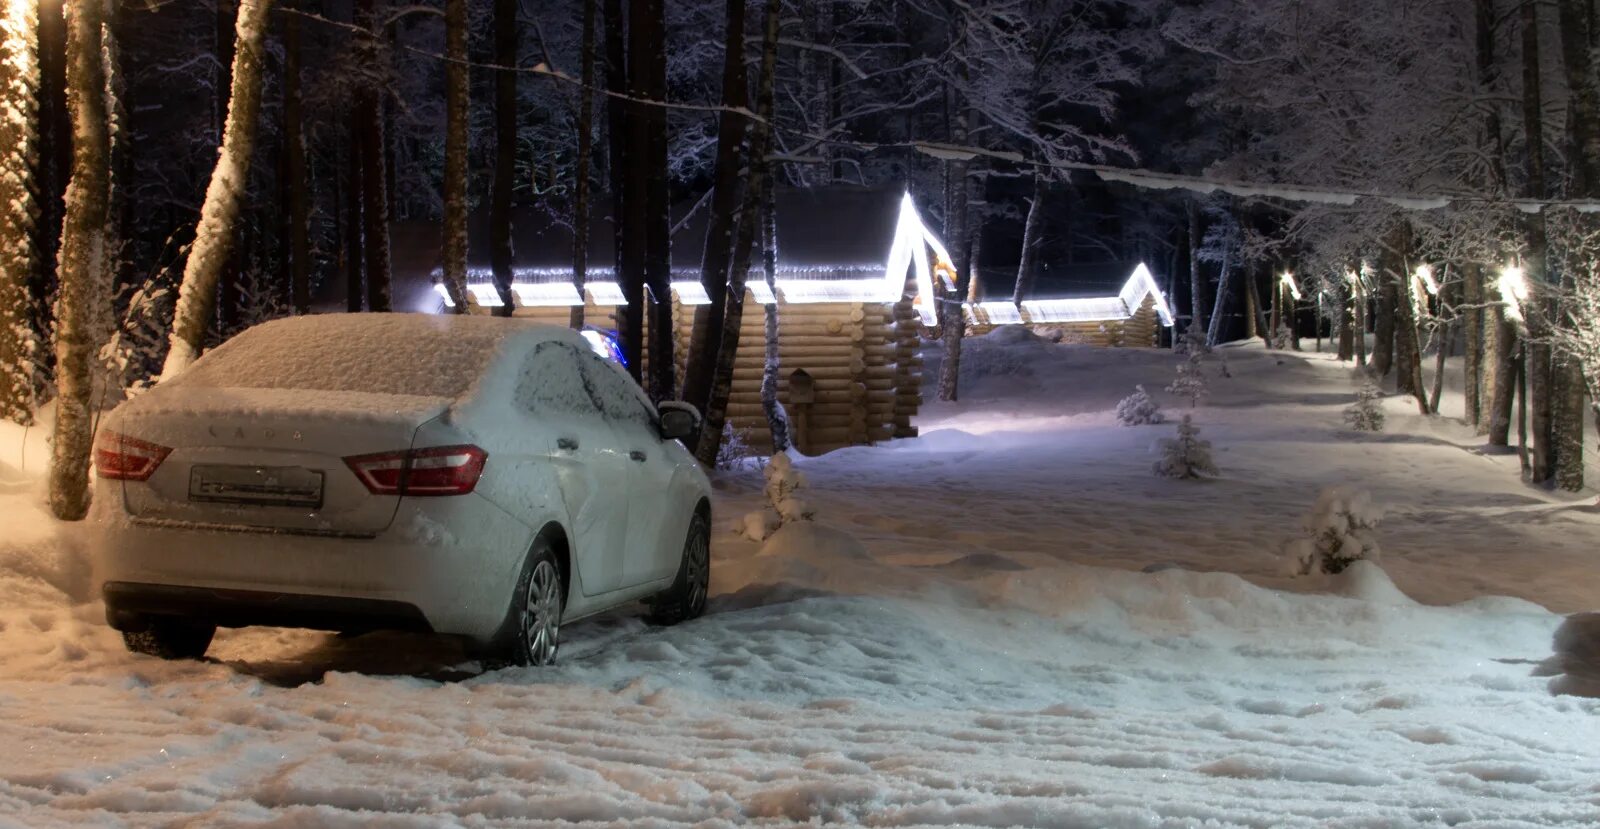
(173,172)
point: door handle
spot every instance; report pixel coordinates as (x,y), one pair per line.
(567,444)
(636,455)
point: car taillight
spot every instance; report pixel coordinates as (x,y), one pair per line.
(437,470)
(121,458)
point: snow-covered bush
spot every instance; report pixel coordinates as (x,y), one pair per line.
(734,452)
(1138,409)
(1283,338)
(132,355)
(1185,456)
(1366,414)
(784,504)
(1191,380)
(1340,530)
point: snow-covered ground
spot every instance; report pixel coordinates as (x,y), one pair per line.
(1007,622)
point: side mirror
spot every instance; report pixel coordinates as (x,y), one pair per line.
(679,420)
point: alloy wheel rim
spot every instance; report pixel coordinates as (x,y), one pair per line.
(699,573)
(542,616)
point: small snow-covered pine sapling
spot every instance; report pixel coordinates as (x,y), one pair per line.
(1366,414)
(1283,338)
(1193,343)
(1340,530)
(1190,382)
(1185,456)
(784,504)
(1138,409)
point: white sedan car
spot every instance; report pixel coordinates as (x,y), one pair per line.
(483,477)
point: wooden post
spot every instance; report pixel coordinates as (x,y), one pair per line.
(802,393)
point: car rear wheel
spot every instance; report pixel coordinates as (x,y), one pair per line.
(170,637)
(686,598)
(539,600)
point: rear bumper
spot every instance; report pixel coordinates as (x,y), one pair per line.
(129,604)
(445,565)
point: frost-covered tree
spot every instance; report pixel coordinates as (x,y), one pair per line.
(1138,409)
(1366,414)
(220,212)
(1340,530)
(1185,456)
(83,248)
(1191,380)
(19,82)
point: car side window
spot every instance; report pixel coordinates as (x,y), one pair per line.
(552,383)
(616,393)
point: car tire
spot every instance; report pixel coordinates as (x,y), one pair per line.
(170,637)
(686,598)
(537,605)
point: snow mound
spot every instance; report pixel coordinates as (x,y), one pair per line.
(1366,581)
(12,481)
(809,540)
(1011,335)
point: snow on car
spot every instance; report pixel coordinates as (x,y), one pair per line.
(482,477)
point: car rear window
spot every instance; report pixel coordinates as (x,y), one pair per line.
(410,354)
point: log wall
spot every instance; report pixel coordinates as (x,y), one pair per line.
(862,358)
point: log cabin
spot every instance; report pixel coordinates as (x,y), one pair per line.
(854,289)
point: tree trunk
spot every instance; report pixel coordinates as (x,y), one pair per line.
(219,214)
(501,252)
(83,247)
(1407,349)
(760,144)
(953,321)
(648,75)
(1505,378)
(374,172)
(1251,312)
(1383,324)
(1472,342)
(51,171)
(1578,32)
(355,292)
(457,141)
(19,83)
(1347,320)
(629,245)
(1536,349)
(704,336)
(228,295)
(1361,327)
(1224,282)
(580,201)
(772,363)
(1028,263)
(295,149)
(1197,300)
(1446,344)
(1276,320)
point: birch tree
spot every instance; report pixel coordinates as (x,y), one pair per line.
(220,211)
(83,247)
(716,413)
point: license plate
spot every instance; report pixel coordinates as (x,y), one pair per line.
(272,486)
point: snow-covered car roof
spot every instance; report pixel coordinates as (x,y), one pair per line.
(424,355)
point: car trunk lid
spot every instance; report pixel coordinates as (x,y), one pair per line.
(268,459)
